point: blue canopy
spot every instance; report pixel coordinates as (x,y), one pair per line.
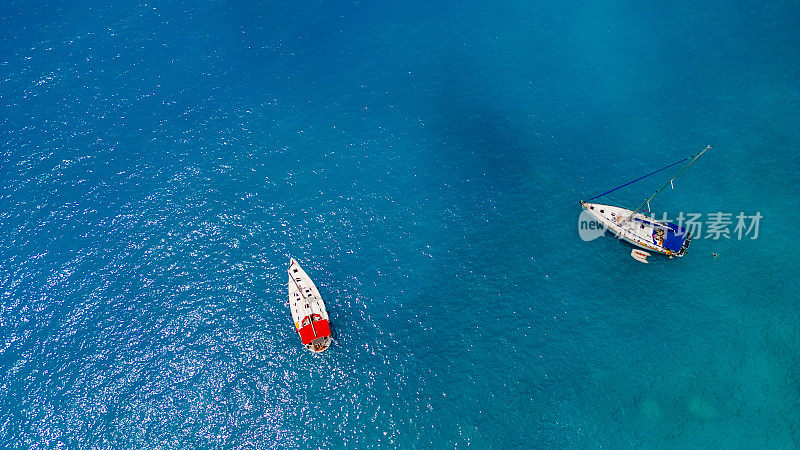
(675,236)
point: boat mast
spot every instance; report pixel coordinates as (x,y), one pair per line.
(647,201)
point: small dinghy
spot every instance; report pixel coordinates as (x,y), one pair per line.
(640,230)
(308,310)
(640,255)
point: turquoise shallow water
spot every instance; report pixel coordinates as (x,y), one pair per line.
(161,161)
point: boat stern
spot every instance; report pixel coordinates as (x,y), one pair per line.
(676,240)
(319,345)
(685,245)
(315,333)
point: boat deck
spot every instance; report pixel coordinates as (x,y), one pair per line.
(308,310)
(640,230)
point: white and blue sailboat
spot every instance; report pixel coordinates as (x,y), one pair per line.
(639,229)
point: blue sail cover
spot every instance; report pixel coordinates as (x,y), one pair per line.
(675,237)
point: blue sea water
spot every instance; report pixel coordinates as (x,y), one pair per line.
(161,161)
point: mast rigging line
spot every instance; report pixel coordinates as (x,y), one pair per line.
(640,178)
(694,158)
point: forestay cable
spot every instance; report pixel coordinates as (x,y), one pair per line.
(640,178)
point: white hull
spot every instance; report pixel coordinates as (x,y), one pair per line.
(308,310)
(640,230)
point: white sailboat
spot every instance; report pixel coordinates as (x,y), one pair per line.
(640,230)
(308,310)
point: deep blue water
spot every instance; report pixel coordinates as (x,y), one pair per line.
(161,161)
